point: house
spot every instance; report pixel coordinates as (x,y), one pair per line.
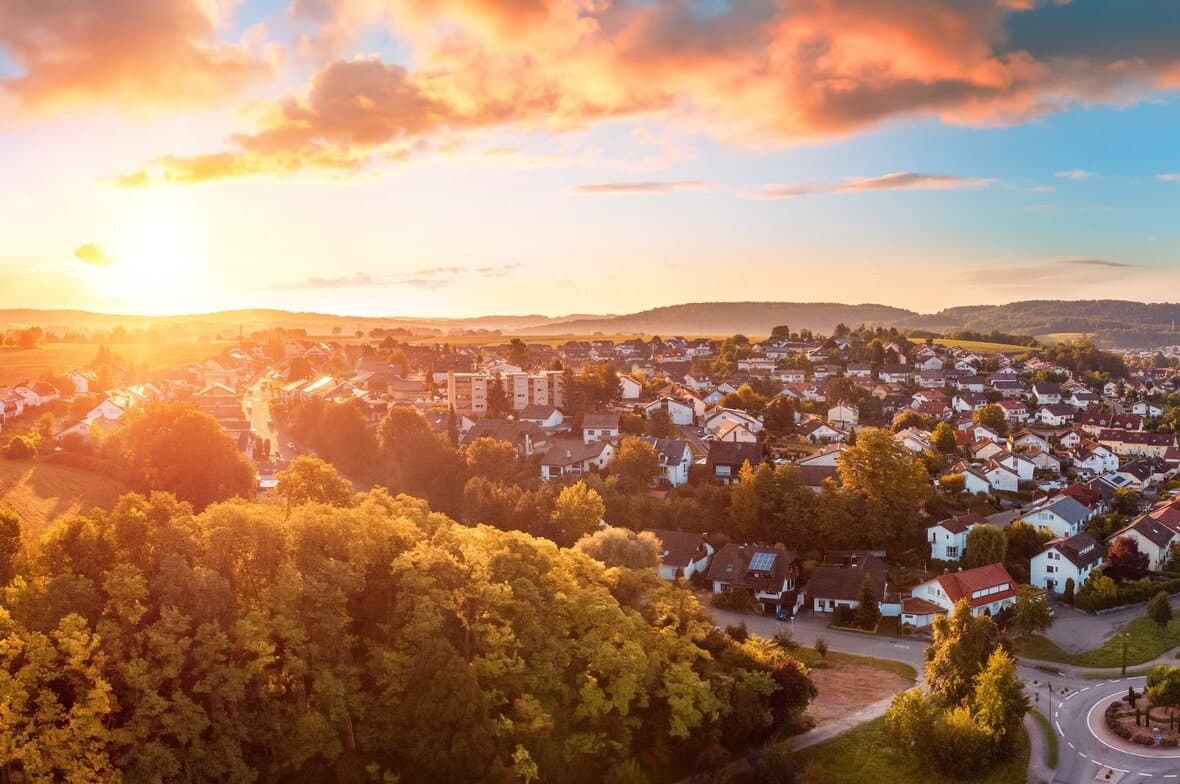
(1056,414)
(682,554)
(843,415)
(526,437)
(1024,438)
(725,460)
(1062,560)
(1041,460)
(817,431)
(714,421)
(792,376)
(83,380)
(768,573)
(1144,409)
(1001,478)
(832,586)
(859,370)
(1155,532)
(1047,393)
(541,416)
(629,388)
(1095,420)
(567,457)
(974,480)
(983,450)
(1062,514)
(735,431)
(915,440)
(827,456)
(1014,411)
(896,374)
(599,427)
(675,457)
(1024,468)
(988,589)
(679,412)
(968,401)
(948,538)
(1137,444)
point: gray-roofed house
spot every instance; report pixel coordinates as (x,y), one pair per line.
(839,585)
(1063,515)
(682,554)
(1065,559)
(675,458)
(768,573)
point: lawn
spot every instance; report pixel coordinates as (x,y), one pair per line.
(17,365)
(863,754)
(39,492)
(1145,641)
(1051,750)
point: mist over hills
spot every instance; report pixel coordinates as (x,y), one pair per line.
(1111,322)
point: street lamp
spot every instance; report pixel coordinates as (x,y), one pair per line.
(1124,636)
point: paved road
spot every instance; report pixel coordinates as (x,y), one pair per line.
(1076,632)
(258,398)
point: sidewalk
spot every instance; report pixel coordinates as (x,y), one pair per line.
(1038,752)
(839,727)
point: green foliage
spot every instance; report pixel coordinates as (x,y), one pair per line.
(943,438)
(868,612)
(1159,609)
(493,460)
(636,464)
(621,547)
(958,652)
(178,449)
(10,545)
(986,544)
(1068,593)
(577,513)
(991,416)
(1031,614)
(890,484)
(245,644)
(1124,561)
(1163,686)
(309,480)
(21,448)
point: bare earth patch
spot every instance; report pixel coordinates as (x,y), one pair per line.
(846,688)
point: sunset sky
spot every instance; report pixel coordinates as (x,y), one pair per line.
(466,157)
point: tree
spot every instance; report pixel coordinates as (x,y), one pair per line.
(991,416)
(999,702)
(492,459)
(518,353)
(175,447)
(1163,686)
(908,723)
(1159,609)
(986,544)
(868,611)
(943,438)
(659,424)
(890,482)
(10,544)
(779,415)
(1067,594)
(637,465)
(621,547)
(1126,501)
(577,513)
(955,484)
(309,480)
(1124,561)
(1031,613)
(957,653)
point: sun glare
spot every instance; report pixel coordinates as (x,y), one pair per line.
(160,261)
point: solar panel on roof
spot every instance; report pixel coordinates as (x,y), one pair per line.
(762,562)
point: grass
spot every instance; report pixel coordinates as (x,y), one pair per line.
(1145,641)
(863,754)
(1142,672)
(40,492)
(17,365)
(1050,737)
(984,347)
(812,659)
(1061,337)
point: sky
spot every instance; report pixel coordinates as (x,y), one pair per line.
(472,157)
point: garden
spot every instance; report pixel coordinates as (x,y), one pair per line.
(1153,717)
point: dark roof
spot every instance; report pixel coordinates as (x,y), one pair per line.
(601,421)
(680,548)
(669,450)
(568,451)
(1080,549)
(514,432)
(814,475)
(734,454)
(843,582)
(731,564)
(957,525)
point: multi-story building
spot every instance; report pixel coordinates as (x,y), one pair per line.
(467,393)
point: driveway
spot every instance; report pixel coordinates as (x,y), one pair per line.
(1077,632)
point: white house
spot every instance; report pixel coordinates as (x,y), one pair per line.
(735,431)
(1056,414)
(1018,464)
(1061,514)
(1155,531)
(988,589)
(715,420)
(682,554)
(679,412)
(843,415)
(629,388)
(675,458)
(567,457)
(914,439)
(948,538)
(1063,560)
(1001,478)
(600,427)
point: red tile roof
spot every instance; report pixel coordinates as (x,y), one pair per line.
(961,585)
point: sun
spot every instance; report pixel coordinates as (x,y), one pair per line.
(160,262)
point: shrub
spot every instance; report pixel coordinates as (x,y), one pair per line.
(1143,740)
(1170,742)
(737,600)
(844,616)
(20,448)
(1123,732)
(821,647)
(1068,594)
(738,632)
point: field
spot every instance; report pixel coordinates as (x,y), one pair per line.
(17,365)
(863,754)
(40,492)
(982,347)
(1061,337)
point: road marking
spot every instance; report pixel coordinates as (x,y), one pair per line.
(1083,756)
(1079,691)
(1171,775)
(1060,731)
(1070,742)
(1071,696)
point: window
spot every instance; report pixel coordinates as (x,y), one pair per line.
(1050,569)
(952,551)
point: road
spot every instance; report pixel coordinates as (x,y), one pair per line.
(258,400)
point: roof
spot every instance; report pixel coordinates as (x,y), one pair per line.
(733,564)
(536,411)
(814,475)
(957,525)
(567,451)
(1080,549)
(964,585)
(843,582)
(669,450)
(601,421)
(733,453)
(913,605)
(680,548)
(1066,507)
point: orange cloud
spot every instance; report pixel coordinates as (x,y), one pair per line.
(133,53)
(756,70)
(897,181)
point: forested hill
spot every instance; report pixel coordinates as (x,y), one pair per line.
(1110,321)
(724,318)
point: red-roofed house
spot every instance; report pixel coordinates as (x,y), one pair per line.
(988,589)
(948,538)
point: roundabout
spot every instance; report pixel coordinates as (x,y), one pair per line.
(1091,751)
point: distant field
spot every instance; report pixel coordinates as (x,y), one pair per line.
(984,347)
(551,340)
(16,365)
(1061,337)
(39,492)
